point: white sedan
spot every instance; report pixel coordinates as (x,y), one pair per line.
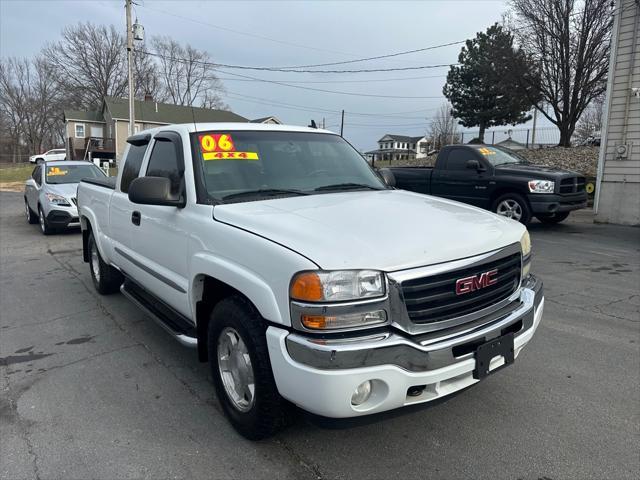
(49,155)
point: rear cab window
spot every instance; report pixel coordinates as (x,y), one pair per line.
(132,165)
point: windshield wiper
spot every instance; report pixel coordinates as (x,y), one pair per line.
(268,192)
(346,186)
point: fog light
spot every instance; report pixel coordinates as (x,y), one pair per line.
(361,394)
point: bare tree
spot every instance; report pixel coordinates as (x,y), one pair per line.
(590,123)
(187,74)
(570,42)
(90,61)
(29,103)
(443,128)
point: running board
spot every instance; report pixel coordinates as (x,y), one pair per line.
(173,322)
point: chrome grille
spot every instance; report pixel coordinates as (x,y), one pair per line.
(434,299)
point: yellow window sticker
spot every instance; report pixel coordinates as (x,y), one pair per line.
(56,171)
(221,147)
(486,151)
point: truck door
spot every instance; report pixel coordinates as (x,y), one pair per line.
(454,180)
(160,238)
(120,227)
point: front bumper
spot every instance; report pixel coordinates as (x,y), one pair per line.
(58,218)
(320,375)
(553,203)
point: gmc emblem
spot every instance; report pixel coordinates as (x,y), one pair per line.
(477,282)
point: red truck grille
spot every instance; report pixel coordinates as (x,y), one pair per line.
(433,299)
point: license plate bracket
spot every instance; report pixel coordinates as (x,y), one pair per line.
(501,346)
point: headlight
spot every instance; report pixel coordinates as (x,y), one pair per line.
(525,244)
(57,200)
(337,286)
(541,186)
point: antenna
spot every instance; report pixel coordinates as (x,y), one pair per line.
(193,116)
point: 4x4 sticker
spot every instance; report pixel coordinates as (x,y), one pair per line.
(220,146)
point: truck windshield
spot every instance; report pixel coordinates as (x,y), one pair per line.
(499,156)
(58,174)
(245,165)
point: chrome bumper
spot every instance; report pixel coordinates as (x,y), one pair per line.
(419,353)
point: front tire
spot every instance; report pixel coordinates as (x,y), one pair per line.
(241,369)
(44,223)
(106,279)
(514,206)
(553,218)
(31,216)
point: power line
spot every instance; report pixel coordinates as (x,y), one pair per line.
(247,34)
(276,69)
(274,82)
(378,57)
(342,81)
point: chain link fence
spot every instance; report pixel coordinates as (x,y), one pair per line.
(515,138)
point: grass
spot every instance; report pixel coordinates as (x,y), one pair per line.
(15,174)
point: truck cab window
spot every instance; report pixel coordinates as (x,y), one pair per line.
(164,163)
(132,164)
(458,158)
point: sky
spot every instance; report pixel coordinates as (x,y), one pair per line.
(267,33)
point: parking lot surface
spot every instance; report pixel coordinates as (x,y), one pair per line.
(91,388)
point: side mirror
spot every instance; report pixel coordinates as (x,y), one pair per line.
(388,177)
(153,191)
(475,165)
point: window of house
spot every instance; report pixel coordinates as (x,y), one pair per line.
(164,163)
(132,164)
(136,128)
(79,130)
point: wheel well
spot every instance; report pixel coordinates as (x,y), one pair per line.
(85,240)
(502,191)
(213,291)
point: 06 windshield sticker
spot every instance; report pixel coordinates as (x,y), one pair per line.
(220,146)
(56,171)
(486,151)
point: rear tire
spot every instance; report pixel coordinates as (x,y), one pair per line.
(44,223)
(553,218)
(241,369)
(31,217)
(514,206)
(106,279)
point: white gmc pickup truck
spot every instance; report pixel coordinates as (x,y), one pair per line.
(301,277)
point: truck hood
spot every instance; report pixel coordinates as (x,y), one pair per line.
(384,230)
(531,170)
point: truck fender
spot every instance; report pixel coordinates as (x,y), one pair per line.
(247,282)
(88,221)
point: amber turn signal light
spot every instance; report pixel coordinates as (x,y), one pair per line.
(307,286)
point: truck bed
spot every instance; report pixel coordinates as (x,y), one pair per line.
(415,179)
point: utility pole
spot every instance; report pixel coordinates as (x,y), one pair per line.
(342,123)
(533,134)
(132,117)
(323,123)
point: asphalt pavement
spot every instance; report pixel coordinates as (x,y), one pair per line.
(91,388)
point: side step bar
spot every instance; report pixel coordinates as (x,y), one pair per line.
(173,322)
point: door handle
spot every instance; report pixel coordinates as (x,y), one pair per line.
(135,218)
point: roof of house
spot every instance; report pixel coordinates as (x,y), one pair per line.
(158,112)
(401,138)
(87,116)
(265,119)
(512,144)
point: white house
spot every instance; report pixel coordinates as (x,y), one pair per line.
(618,192)
(399,147)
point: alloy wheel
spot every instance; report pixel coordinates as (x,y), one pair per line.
(236,371)
(510,208)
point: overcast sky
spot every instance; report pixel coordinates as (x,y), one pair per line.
(267,33)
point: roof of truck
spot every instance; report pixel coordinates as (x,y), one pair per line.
(235,126)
